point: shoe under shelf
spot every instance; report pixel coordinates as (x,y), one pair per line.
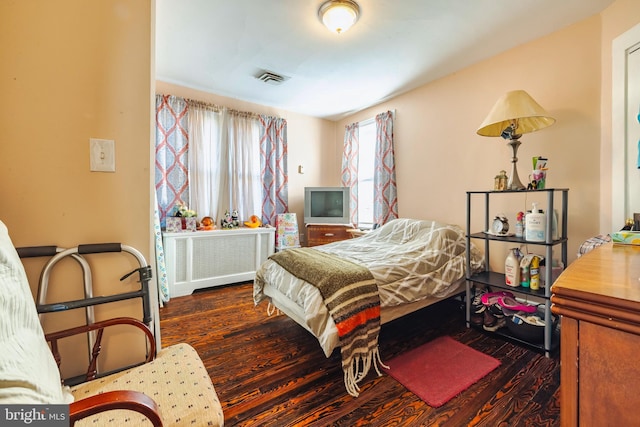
(536,346)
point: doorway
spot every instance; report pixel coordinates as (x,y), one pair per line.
(625,155)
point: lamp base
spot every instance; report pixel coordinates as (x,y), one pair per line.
(514,180)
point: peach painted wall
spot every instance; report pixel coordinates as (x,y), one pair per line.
(88,73)
(310,143)
(74,70)
(616,19)
(440,157)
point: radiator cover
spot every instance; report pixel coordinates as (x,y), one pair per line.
(203,259)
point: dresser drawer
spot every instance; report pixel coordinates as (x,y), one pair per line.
(320,234)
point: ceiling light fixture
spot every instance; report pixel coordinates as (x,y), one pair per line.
(339,15)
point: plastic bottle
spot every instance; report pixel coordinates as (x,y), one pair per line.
(512,269)
(535,225)
(519,224)
(525,274)
(534,272)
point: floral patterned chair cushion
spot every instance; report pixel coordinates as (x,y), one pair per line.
(177,380)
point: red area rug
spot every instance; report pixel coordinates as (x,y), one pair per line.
(440,369)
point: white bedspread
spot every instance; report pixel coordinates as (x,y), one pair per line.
(410,260)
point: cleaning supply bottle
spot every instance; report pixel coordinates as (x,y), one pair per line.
(534,272)
(512,268)
(535,225)
(525,275)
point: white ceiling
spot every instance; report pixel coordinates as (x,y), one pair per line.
(220,46)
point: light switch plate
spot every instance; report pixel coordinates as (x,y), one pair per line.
(102,154)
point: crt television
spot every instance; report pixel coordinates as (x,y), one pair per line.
(326,205)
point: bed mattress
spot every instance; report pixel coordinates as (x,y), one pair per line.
(414,263)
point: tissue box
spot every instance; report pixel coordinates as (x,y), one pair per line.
(174,224)
(190,223)
(626,237)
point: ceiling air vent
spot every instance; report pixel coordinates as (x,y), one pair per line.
(271,77)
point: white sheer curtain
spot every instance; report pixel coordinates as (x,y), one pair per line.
(206,177)
(243,134)
(225,162)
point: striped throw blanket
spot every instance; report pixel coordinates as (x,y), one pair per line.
(351,296)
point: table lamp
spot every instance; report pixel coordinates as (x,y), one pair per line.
(513,115)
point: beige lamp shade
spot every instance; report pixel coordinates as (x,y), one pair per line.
(519,108)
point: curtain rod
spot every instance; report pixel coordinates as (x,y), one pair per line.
(203,104)
(218,108)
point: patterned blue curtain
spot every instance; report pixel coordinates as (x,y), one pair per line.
(273,168)
(171,174)
(172,145)
(349,172)
(385,198)
(161,266)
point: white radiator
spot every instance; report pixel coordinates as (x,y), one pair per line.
(203,259)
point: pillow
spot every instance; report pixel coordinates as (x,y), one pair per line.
(28,371)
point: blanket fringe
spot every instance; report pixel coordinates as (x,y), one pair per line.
(359,368)
(271,309)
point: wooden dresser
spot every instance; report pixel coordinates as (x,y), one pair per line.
(598,297)
(320,234)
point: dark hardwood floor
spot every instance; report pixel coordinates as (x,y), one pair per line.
(269,371)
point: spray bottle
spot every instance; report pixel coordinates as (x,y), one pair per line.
(519,224)
(534,270)
(525,273)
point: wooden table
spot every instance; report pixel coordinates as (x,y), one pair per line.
(598,297)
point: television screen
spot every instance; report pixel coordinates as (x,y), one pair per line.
(326,205)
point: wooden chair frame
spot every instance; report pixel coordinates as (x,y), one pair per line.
(120,399)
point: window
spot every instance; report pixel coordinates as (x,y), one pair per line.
(217,160)
(366,164)
(368,168)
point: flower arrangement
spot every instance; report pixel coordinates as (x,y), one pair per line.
(181,218)
(182,210)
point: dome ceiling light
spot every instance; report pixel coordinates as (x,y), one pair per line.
(339,15)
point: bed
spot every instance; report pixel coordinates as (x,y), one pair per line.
(414,263)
